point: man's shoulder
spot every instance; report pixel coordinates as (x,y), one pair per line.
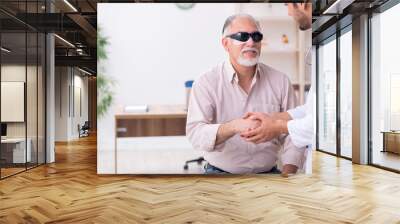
(211,76)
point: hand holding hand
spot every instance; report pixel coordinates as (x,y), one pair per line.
(241,125)
(268,129)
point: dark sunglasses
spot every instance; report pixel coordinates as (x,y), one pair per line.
(244,36)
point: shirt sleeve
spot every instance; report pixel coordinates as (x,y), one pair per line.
(291,154)
(297,112)
(200,129)
(301,129)
(302,110)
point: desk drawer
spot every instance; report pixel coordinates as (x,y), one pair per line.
(151,127)
(392,142)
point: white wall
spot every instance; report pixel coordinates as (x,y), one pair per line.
(80,83)
(155,48)
(66,121)
(61,103)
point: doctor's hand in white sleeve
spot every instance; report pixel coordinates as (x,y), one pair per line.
(297,122)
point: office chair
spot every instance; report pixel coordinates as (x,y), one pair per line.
(84,130)
(198,160)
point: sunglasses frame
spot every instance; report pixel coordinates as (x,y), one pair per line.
(236,36)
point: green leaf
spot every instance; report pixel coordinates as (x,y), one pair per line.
(105,84)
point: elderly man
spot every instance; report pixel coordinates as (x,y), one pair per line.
(221,97)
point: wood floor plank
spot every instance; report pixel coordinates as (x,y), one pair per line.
(70,191)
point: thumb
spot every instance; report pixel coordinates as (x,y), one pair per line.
(247,114)
(255,116)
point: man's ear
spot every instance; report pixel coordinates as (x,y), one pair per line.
(224,42)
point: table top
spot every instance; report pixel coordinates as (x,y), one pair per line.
(13,140)
(155,111)
(391,132)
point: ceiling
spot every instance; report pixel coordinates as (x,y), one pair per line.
(74,22)
(332,15)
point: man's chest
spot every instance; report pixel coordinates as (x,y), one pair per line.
(235,103)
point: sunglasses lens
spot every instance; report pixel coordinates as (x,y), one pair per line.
(242,36)
(257,36)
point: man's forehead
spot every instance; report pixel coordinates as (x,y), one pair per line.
(243,22)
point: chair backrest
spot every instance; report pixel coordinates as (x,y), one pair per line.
(86,125)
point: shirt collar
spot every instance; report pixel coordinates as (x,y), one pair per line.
(231,74)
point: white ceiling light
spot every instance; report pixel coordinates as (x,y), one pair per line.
(5,50)
(86,72)
(64,40)
(70,5)
(337,7)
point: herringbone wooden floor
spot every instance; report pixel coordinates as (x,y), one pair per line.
(70,191)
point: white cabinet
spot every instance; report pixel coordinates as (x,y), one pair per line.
(19,155)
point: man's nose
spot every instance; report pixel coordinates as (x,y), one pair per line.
(250,42)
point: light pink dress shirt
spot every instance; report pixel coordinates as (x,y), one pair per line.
(217,98)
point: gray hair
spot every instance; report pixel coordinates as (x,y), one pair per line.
(231,18)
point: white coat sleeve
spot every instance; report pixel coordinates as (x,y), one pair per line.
(301,128)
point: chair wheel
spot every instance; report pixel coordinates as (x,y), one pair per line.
(185,167)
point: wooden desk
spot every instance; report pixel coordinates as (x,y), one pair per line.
(391,141)
(160,120)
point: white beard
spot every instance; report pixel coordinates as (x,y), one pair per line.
(247,62)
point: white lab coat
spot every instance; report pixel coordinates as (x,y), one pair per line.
(301,127)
